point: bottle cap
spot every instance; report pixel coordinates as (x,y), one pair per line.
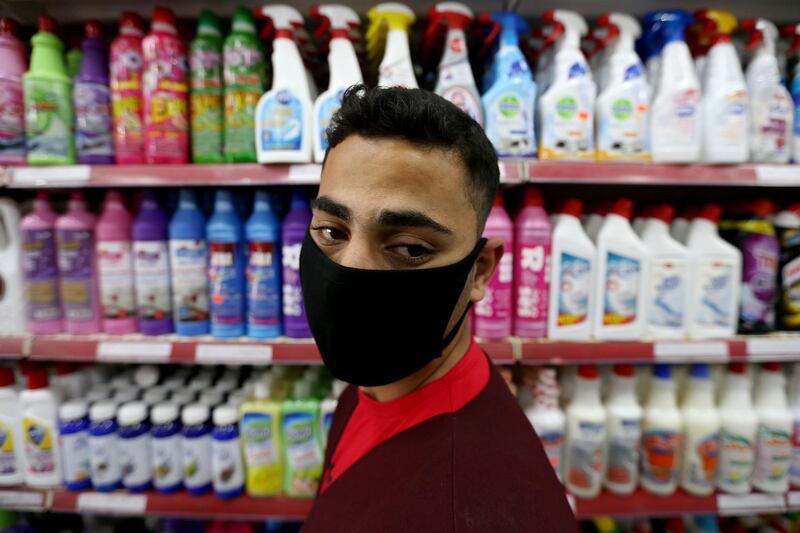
(211,398)
(762,207)
(8,26)
(700,370)
(26,366)
(182,396)
(93,30)
(126,394)
(711,212)
(533,197)
(225,415)
(131,23)
(146,376)
(104,410)
(771,366)
(132,413)
(662,371)
(208,23)
(624,370)
(37,379)
(498,199)
(98,393)
(588,371)
(47,24)
(163,20)
(193,414)
(6,376)
(573,207)
(261,390)
(738,368)
(163,413)
(663,212)
(622,207)
(73,410)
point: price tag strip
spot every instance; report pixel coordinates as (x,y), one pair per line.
(738,504)
(688,351)
(129,352)
(117,503)
(20,499)
(233,353)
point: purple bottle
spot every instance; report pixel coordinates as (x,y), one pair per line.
(92,100)
(293,233)
(151,267)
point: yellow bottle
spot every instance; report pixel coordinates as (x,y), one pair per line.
(259,428)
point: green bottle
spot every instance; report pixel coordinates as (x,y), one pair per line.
(302,451)
(205,98)
(245,74)
(73,58)
(48,100)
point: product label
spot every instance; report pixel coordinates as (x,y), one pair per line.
(568,131)
(493,313)
(151,264)
(92,119)
(196,461)
(770,125)
(226,460)
(167,460)
(12,121)
(115,269)
(205,101)
(532,281)
(292,290)
(623,451)
(736,460)
(8,454)
(227,303)
(327,108)
(104,459)
(465,99)
(553,442)
(794,470)
(716,280)
(39,450)
(41,274)
(165,91)
(678,120)
(188,261)
(728,124)
(303,454)
(75,456)
(134,458)
(263,285)
(509,120)
(660,457)
(773,455)
(760,257)
(585,455)
(48,119)
(700,459)
(240,115)
(75,263)
(667,290)
(622,121)
(261,453)
(622,289)
(127,65)
(281,122)
(575,280)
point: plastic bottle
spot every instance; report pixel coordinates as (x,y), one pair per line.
(587,428)
(661,434)
(188,257)
(40,266)
(293,232)
(794,87)
(12,123)
(165,448)
(134,447)
(532,237)
(127,66)
(284,113)
(263,270)
(12,296)
(12,471)
(794,406)
(165,92)
(75,239)
(115,266)
(92,101)
(151,266)
(701,428)
(68,382)
(244,75)
(302,454)
(226,268)
(624,432)
(327,409)
(547,418)
(73,441)
(205,94)
(39,409)
(48,100)
(196,449)
(260,420)
(389,24)
(594,220)
(679,229)
(105,461)
(739,424)
(572,280)
(773,441)
(494,314)
(226,454)
(787,226)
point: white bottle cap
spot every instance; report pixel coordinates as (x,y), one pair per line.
(226,384)
(211,398)
(103,410)
(261,390)
(193,414)
(132,413)
(120,380)
(146,376)
(237,398)
(200,382)
(97,393)
(182,396)
(164,413)
(154,395)
(225,415)
(126,394)
(174,382)
(73,410)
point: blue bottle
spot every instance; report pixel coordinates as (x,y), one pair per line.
(263,233)
(188,256)
(165,446)
(226,268)
(103,450)
(73,429)
(134,447)
(226,453)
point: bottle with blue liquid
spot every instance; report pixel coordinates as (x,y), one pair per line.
(224,233)
(263,232)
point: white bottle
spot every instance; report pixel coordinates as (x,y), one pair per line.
(713,305)
(104,457)
(584,451)
(227,465)
(794,406)
(701,426)
(12,297)
(594,221)
(661,435)
(680,226)
(165,448)
(11,447)
(667,280)
(39,409)
(739,424)
(547,418)
(134,446)
(624,432)
(773,442)
(73,440)
(395,68)
(196,448)
(622,268)
(572,283)
(69,382)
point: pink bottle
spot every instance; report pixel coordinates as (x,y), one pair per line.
(77,268)
(127,66)
(115,267)
(493,314)
(41,268)
(165,92)
(531,267)
(12,118)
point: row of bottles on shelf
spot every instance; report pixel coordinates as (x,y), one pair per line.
(155,100)
(259,431)
(788,523)
(30,522)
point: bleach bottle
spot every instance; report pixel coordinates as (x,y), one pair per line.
(701,426)
(295,226)
(151,266)
(40,266)
(226,268)
(205,94)
(547,418)
(188,258)
(533,245)
(12,450)
(92,101)
(661,434)
(127,65)
(494,313)
(738,427)
(115,266)
(39,409)
(624,432)
(794,88)
(794,407)
(263,232)
(388,34)
(12,298)
(773,441)
(585,455)
(12,119)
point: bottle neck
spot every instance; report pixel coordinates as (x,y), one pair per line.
(700,394)
(770,390)
(587,391)
(623,390)
(662,393)
(343,64)
(736,393)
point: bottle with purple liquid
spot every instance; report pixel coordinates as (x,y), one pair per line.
(294,230)
(151,267)
(92,100)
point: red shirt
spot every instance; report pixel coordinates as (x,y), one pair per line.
(373,422)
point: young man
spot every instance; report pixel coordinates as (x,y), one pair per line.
(429,438)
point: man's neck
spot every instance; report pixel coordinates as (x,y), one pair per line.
(434,370)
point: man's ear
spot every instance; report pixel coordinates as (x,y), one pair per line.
(485,266)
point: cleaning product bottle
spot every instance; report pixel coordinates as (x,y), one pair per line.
(794,87)
(151,267)
(624,432)
(68,382)
(134,446)
(48,100)
(344,68)
(661,434)
(165,448)
(494,313)
(532,235)
(668,277)
(623,106)
(259,426)
(12,123)
(773,442)
(302,454)
(713,304)
(205,93)
(794,406)
(127,65)
(115,266)
(701,427)
(739,424)
(679,229)
(622,268)
(92,101)
(787,226)
(584,454)
(263,234)
(293,232)
(328,407)
(508,104)
(594,220)
(675,116)
(104,460)
(283,116)
(547,418)
(12,471)
(39,410)
(572,279)
(771,107)
(75,239)
(725,105)
(226,453)
(188,258)
(245,77)
(196,449)
(165,92)
(73,441)
(389,24)
(12,272)
(226,268)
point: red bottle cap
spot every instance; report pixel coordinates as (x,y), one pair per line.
(624,370)
(163,15)
(47,24)
(498,200)
(533,197)
(738,368)
(27,366)
(37,379)
(93,29)
(762,207)
(772,366)
(132,21)
(711,212)
(8,26)
(622,207)
(602,208)
(663,212)
(689,213)
(65,368)
(6,376)
(588,371)
(573,207)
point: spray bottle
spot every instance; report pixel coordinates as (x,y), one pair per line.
(532,237)
(151,266)
(205,93)
(226,268)
(127,65)
(263,232)
(92,101)
(794,86)
(388,35)
(12,119)
(115,266)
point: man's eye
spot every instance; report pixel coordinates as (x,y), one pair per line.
(412,252)
(329,234)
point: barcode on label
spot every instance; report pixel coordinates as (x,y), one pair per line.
(112,503)
(755,503)
(716,351)
(233,353)
(152,352)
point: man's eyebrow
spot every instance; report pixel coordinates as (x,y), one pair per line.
(332,207)
(412,218)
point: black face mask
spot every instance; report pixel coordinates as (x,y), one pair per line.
(375,327)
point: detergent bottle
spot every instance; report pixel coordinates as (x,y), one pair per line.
(739,424)
(127,64)
(12,298)
(794,87)
(205,93)
(284,113)
(508,104)
(92,100)
(293,232)
(188,260)
(661,434)
(260,429)
(594,220)
(622,110)
(165,92)
(48,100)
(226,268)
(547,417)
(387,36)
(494,313)
(302,453)
(263,234)
(533,246)
(566,107)
(115,266)
(794,407)
(344,68)
(12,119)
(771,107)
(787,225)
(151,267)
(624,432)
(584,457)
(39,409)
(701,427)
(773,441)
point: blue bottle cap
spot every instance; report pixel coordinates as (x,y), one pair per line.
(700,371)
(662,371)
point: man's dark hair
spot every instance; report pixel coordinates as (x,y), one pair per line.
(426,119)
